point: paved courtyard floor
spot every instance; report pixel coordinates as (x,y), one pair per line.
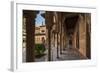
(67,54)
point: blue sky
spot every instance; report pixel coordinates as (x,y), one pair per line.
(39,19)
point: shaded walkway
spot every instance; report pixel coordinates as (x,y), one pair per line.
(70,54)
(67,54)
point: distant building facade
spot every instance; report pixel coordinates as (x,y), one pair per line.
(40,34)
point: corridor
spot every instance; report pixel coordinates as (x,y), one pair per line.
(61,36)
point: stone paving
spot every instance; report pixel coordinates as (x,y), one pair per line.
(67,54)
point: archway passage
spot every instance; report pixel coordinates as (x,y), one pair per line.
(70,24)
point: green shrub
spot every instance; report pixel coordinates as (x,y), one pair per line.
(39,49)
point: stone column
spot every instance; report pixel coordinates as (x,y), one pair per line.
(61,37)
(58,30)
(82,34)
(62,40)
(57,47)
(54,39)
(30,36)
(49,20)
(88,35)
(49,45)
